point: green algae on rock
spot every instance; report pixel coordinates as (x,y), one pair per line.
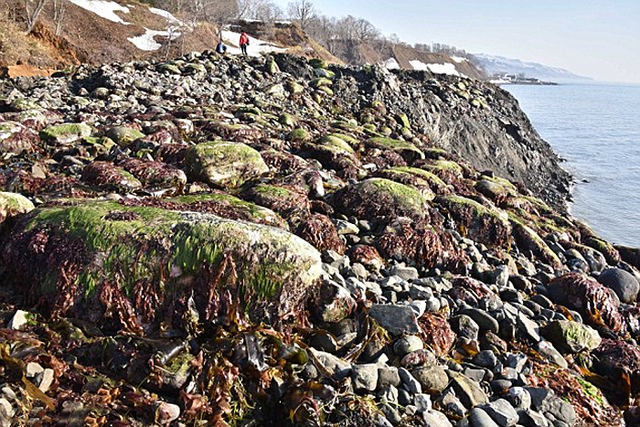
(110,177)
(101,260)
(224,163)
(379,197)
(407,150)
(66,133)
(481,223)
(218,203)
(123,136)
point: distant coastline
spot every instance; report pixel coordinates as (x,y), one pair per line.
(510,79)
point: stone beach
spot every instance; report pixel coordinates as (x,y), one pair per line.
(274,241)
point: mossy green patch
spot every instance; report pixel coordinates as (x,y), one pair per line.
(406,149)
(431,178)
(404,195)
(352,141)
(224,163)
(592,391)
(123,136)
(65,133)
(298,134)
(241,208)
(336,144)
(487,225)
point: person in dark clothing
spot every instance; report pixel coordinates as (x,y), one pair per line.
(221,48)
(244,42)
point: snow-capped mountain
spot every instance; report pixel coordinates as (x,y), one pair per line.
(500,65)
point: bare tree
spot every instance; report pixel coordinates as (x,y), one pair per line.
(33,8)
(301,11)
(267,11)
(59,9)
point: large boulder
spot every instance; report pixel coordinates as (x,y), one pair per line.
(623,283)
(487,225)
(224,163)
(135,267)
(379,197)
(66,133)
(593,300)
(572,337)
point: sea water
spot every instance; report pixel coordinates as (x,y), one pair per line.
(596,129)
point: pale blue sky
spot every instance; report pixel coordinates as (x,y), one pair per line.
(594,38)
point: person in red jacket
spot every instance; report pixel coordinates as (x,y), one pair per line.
(244,42)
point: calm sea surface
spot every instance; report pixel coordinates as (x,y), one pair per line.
(596,128)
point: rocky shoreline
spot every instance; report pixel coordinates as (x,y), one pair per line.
(271,241)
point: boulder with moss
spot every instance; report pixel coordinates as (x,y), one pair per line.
(139,266)
(66,133)
(224,163)
(123,135)
(334,153)
(484,224)
(407,150)
(380,198)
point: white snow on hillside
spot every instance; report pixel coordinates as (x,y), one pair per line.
(458,59)
(105,9)
(418,65)
(165,14)
(391,64)
(445,68)
(255,48)
(147,42)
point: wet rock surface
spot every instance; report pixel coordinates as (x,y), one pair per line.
(225,241)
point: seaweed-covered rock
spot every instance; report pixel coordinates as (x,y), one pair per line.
(110,177)
(421,244)
(379,197)
(428,183)
(16,138)
(224,163)
(407,150)
(487,225)
(123,136)
(102,260)
(290,202)
(66,133)
(572,337)
(334,153)
(528,240)
(590,298)
(217,203)
(620,362)
(155,174)
(321,232)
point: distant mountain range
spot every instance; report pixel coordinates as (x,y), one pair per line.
(500,65)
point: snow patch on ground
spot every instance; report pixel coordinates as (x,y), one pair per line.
(147,42)
(418,65)
(255,48)
(458,59)
(104,9)
(445,68)
(165,14)
(391,64)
